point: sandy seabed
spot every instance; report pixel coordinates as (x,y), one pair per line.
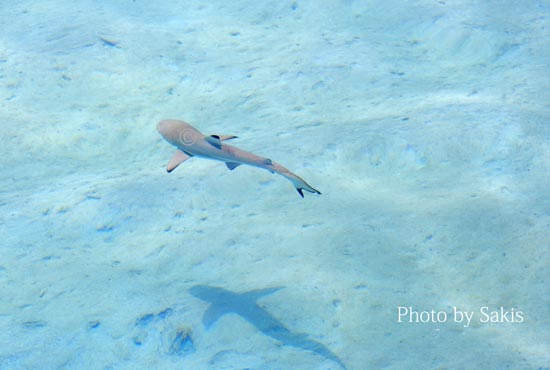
(424,124)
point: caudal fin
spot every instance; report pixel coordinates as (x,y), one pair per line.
(296,180)
(300,184)
(308,188)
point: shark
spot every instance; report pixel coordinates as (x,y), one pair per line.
(190,142)
(223,301)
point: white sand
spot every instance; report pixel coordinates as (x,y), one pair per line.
(424,126)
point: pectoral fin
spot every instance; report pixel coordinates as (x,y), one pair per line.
(178,158)
(232,165)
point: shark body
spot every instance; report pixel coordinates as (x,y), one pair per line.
(191,142)
(223,301)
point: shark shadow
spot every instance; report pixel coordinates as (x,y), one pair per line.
(223,301)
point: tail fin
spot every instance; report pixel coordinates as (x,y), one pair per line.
(296,180)
(301,185)
(309,188)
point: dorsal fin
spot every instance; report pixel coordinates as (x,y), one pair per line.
(178,158)
(226,137)
(214,140)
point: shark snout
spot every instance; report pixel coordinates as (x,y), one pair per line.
(165,126)
(178,133)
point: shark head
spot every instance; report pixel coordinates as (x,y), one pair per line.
(167,128)
(179,133)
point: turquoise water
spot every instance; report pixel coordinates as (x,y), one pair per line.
(425,126)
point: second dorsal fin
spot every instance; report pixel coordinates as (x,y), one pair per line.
(232,165)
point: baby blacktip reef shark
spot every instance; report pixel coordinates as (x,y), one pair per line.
(191,142)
